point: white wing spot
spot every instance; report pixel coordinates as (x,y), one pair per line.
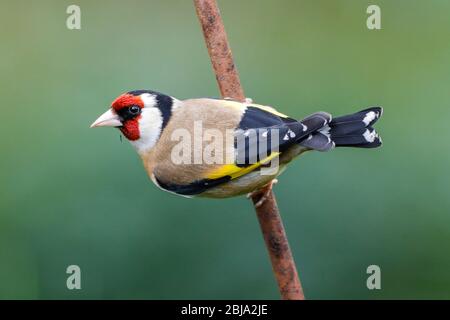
(291,133)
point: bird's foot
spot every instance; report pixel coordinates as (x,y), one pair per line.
(265,193)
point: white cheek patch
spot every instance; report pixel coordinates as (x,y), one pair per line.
(150,125)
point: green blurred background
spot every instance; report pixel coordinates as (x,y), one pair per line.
(71,195)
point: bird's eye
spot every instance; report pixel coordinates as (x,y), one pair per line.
(129,112)
(134,110)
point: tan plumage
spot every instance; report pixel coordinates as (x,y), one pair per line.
(213,114)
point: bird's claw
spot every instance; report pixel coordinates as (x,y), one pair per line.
(265,194)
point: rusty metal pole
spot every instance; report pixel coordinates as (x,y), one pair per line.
(283,264)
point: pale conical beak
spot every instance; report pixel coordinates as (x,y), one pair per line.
(108,119)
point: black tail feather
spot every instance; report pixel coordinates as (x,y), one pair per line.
(354,130)
(362,138)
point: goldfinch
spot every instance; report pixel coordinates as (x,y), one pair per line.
(155,124)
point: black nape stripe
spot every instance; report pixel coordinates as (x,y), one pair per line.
(139,92)
(165,106)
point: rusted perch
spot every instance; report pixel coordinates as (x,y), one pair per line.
(219,50)
(283,264)
(277,244)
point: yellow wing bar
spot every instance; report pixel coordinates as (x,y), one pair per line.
(234,171)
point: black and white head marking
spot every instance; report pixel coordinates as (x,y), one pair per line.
(154,118)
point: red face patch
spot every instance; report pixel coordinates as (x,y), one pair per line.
(125,100)
(130,129)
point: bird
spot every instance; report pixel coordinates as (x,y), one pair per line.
(220,148)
